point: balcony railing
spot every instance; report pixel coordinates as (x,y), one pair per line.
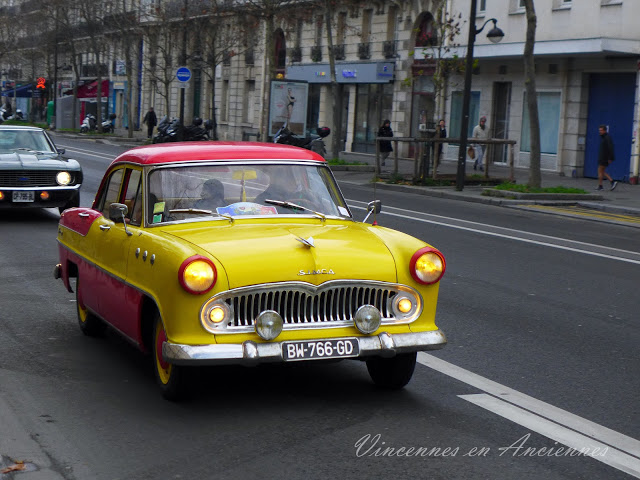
(316,53)
(364,51)
(389,49)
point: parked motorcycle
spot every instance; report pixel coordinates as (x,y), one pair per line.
(5,115)
(171,130)
(89,124)
(168,130)
(315,143)
(195,131)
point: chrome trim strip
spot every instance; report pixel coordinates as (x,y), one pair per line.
(251,353)
(31,189)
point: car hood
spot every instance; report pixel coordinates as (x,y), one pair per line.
(259,253)
(20,160)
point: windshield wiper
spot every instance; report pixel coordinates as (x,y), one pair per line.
(199,211)
(294,206)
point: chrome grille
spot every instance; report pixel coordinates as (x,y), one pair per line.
(301,305)
(26,178)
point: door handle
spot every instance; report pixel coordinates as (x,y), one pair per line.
(104,228)
(83,214)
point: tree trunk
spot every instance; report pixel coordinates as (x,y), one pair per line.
(336,88)
(532,97)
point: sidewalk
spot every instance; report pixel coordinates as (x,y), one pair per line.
(624,200)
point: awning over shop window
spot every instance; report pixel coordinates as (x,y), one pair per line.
(90,90)
(23,91)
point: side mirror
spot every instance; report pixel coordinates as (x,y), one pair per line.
(117,212)
(61,150)
(374,207)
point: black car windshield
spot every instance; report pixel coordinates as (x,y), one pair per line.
(35,140)
(187,193)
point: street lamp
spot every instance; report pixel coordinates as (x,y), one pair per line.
(494,35)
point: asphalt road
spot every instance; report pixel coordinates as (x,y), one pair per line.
(541,316)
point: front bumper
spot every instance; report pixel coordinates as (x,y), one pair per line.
(58,196)
(252,353)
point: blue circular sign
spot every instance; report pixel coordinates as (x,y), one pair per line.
(183,74)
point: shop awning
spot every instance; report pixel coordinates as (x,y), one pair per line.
(22,91)
(90,90)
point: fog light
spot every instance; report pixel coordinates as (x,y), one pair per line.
(44,195)
(215,316)
(405,305)
(1,196)
(269,325)
(368,319)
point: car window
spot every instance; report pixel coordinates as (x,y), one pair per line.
(11,140)
(132,193)
(111,191)
(241,190)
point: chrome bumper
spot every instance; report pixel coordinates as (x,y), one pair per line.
(252,353)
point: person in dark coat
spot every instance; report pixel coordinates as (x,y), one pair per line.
(385,145)
(605,157)
(151,120)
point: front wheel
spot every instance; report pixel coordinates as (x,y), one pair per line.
(393,373)
(170,378)
(89,324)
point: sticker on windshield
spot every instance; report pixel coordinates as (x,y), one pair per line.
(247,208)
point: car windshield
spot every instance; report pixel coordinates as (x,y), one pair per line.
(34,140)
(194,192)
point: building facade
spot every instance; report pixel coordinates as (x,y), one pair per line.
(398,60)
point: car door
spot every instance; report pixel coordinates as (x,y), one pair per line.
(118,302)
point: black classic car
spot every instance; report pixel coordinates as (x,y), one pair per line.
(33,172)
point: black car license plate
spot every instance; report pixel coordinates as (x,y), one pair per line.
(22,196)
(317,349)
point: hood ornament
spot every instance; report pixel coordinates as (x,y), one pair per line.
(306,241)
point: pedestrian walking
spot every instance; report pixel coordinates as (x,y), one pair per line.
(443,134)
(605,157)
(481,132)
(151,120)
(385,145)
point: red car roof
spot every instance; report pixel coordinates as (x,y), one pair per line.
(194,151)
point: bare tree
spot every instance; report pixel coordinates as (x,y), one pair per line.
(267,10)
(532,96)
(124,26)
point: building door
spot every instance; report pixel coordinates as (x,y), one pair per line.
(500,121)
(373,105)
(611,100)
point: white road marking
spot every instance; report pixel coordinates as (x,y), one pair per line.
(521,409)
(581,443)
(519,235)
(88,153)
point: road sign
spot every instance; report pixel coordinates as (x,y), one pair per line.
(183,74)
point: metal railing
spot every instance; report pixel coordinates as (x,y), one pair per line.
(425,150)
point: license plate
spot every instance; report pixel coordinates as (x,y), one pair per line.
(316,349)
(19,196)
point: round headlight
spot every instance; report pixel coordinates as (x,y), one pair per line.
(427,266)
(197,275)
(368,319)
(269,325)
(63,178)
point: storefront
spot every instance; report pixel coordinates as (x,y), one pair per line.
(373,88)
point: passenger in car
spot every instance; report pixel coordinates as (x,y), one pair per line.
(212,195)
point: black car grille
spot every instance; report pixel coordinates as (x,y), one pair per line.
(302,305)
(23,178)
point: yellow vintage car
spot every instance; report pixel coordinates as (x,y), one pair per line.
(207,253)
